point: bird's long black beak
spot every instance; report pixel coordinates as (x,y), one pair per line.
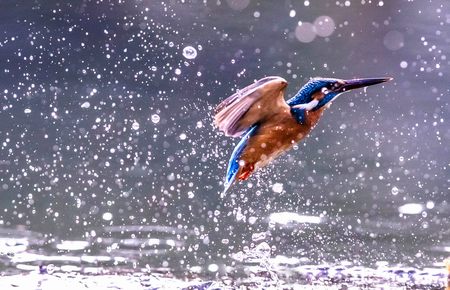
(360,83)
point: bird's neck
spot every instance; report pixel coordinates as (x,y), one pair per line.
(308,118)
(303,96)
(300,115)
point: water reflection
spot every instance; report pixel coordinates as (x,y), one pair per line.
(411,208)
(290,218)
(148,247)
(72,245)
(148,252)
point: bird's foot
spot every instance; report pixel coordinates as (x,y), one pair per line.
(246,172)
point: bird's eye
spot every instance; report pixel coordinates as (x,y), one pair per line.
(325,90)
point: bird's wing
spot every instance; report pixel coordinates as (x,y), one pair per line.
(251,105)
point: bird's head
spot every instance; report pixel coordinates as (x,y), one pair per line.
(319,92)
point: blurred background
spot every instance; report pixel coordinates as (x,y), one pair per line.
(109,158)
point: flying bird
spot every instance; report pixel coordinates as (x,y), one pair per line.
(269,125)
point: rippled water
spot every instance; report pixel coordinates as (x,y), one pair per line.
(157,257)
(111,170)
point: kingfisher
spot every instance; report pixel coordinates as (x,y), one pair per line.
(269,125)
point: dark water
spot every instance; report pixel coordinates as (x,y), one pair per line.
(109,162)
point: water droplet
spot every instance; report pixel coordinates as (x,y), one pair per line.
(107,216)
(135,125)
(27,111)
(277,187)
(258,237)
(394,190)
(155,118)
(263,250)
(85,105)
(213,268)
(403,64)
(171,177)
(189,52)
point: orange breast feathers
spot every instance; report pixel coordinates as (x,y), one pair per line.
(272,138)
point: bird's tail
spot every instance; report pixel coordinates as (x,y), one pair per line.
(233,163)
(227,186)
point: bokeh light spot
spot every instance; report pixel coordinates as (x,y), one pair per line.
(324,26)
(393,40)
(304,32)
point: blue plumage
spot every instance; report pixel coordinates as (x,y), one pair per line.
(299,115)
(233,163)
(304,95)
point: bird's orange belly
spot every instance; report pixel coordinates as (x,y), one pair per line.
(270,141)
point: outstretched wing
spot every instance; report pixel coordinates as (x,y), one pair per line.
(251,105)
